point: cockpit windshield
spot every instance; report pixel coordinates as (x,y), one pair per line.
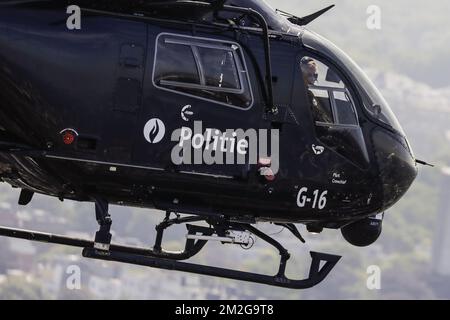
(374,102)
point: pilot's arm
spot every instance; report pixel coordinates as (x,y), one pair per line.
(318,111)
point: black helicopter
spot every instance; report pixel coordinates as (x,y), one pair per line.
(130,107)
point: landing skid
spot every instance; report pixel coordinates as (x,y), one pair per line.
(197,238)
(315,275)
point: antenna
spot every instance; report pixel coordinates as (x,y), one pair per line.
(307,19)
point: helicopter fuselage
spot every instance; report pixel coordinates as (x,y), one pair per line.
(100,112)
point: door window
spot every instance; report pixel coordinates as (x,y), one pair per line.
(204,68)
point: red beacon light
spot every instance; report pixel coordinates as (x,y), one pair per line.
(69,136)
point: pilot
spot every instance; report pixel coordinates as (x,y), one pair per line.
(310,75)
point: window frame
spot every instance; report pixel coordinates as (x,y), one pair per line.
(330,91)
(209,43)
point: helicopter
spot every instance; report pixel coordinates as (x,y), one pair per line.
(223,114)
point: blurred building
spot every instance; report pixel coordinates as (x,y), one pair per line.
(441,244)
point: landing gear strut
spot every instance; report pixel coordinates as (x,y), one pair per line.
(224,231)
(220,229)
(103,236)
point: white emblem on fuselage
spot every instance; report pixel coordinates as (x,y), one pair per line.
(154,130)
(186,112)
(318,150)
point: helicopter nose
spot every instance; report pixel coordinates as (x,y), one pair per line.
(397,165)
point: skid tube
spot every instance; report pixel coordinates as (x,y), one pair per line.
(160,259)
(315,275)
(44,237)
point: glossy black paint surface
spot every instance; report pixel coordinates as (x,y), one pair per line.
(52,79)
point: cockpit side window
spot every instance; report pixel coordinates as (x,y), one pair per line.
(345,112)
(333,111)
(321,106)
(208,69)
(329,98)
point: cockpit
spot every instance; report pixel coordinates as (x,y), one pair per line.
(333,110)
(330,99)
(374,103)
